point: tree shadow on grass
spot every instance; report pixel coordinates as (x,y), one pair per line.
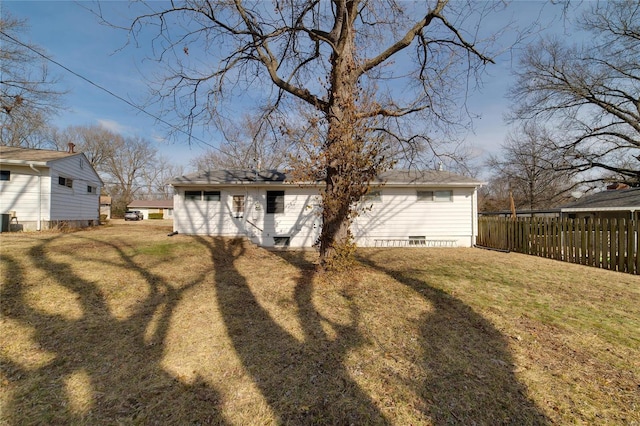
(96,368)
(470,377)
(304,381)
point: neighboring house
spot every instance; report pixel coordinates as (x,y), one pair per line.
(43,189)
(616,202)
(609,204)
(105,206)
(153,206)
(429,208)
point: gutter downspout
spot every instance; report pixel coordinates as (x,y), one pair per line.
(474,216)
(38,224)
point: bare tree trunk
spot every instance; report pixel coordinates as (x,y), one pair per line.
(339,192)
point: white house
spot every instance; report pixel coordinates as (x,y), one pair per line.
(421,208)
(41,189)
(153,206)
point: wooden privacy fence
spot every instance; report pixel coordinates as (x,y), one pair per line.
(604,243)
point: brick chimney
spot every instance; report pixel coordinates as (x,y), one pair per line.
(71,147)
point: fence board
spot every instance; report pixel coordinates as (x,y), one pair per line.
(630,251)
(605,243)
(636,239)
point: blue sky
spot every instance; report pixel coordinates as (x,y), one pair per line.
(72,36)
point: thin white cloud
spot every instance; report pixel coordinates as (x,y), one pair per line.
(114,126)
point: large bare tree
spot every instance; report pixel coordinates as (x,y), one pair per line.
(96,142)
(123,171)
(29,94)
(589,91)
(370,74)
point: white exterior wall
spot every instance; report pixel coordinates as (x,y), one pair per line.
(74,203)
(300,221)
(39,198)
(27,194)
(398,215)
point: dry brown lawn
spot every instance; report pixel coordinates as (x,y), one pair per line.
(125,325)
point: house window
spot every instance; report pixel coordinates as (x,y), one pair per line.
(5,175)
(275,202)
(202,195)
(281,241)
(238,205)
(212,195)
(372,196)
(91,189)
(425,195)
(437,196)
(193,195)
(443,196)
(65,182)
(417,240)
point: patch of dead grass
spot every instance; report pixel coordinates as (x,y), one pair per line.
(122,324)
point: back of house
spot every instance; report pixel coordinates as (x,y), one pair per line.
(403,208)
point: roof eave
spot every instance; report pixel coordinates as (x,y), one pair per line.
(599,209)
(24,162)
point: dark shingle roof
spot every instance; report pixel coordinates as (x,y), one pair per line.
(431,177)
(392,177)
(621,198)
(218,177)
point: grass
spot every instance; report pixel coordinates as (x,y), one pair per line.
(125,325)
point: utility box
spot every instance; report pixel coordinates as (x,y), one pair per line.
(4,222)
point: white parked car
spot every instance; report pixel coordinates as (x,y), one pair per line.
(133,215)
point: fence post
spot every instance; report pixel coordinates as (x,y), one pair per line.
(630,238)
(636,243)
(622,247)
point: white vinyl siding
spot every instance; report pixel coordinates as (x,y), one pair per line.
(38,195)
(75,202)
(21,193)
(299,221)
(396,213)
(402,214)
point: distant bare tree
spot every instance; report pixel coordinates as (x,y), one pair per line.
(96,142)
(29,95)
(530,168)
(590,91)
(124,169)
(249,143)
(155,178)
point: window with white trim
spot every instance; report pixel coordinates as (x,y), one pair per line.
(417,240)
(275,202)
(443,196)
(211,195)
(372,196)
(65,181)
(238,206)
(202,195)
(193,195)
(425,195)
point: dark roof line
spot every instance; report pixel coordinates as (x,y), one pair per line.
(230,177)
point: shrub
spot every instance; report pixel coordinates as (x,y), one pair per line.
(155,216)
